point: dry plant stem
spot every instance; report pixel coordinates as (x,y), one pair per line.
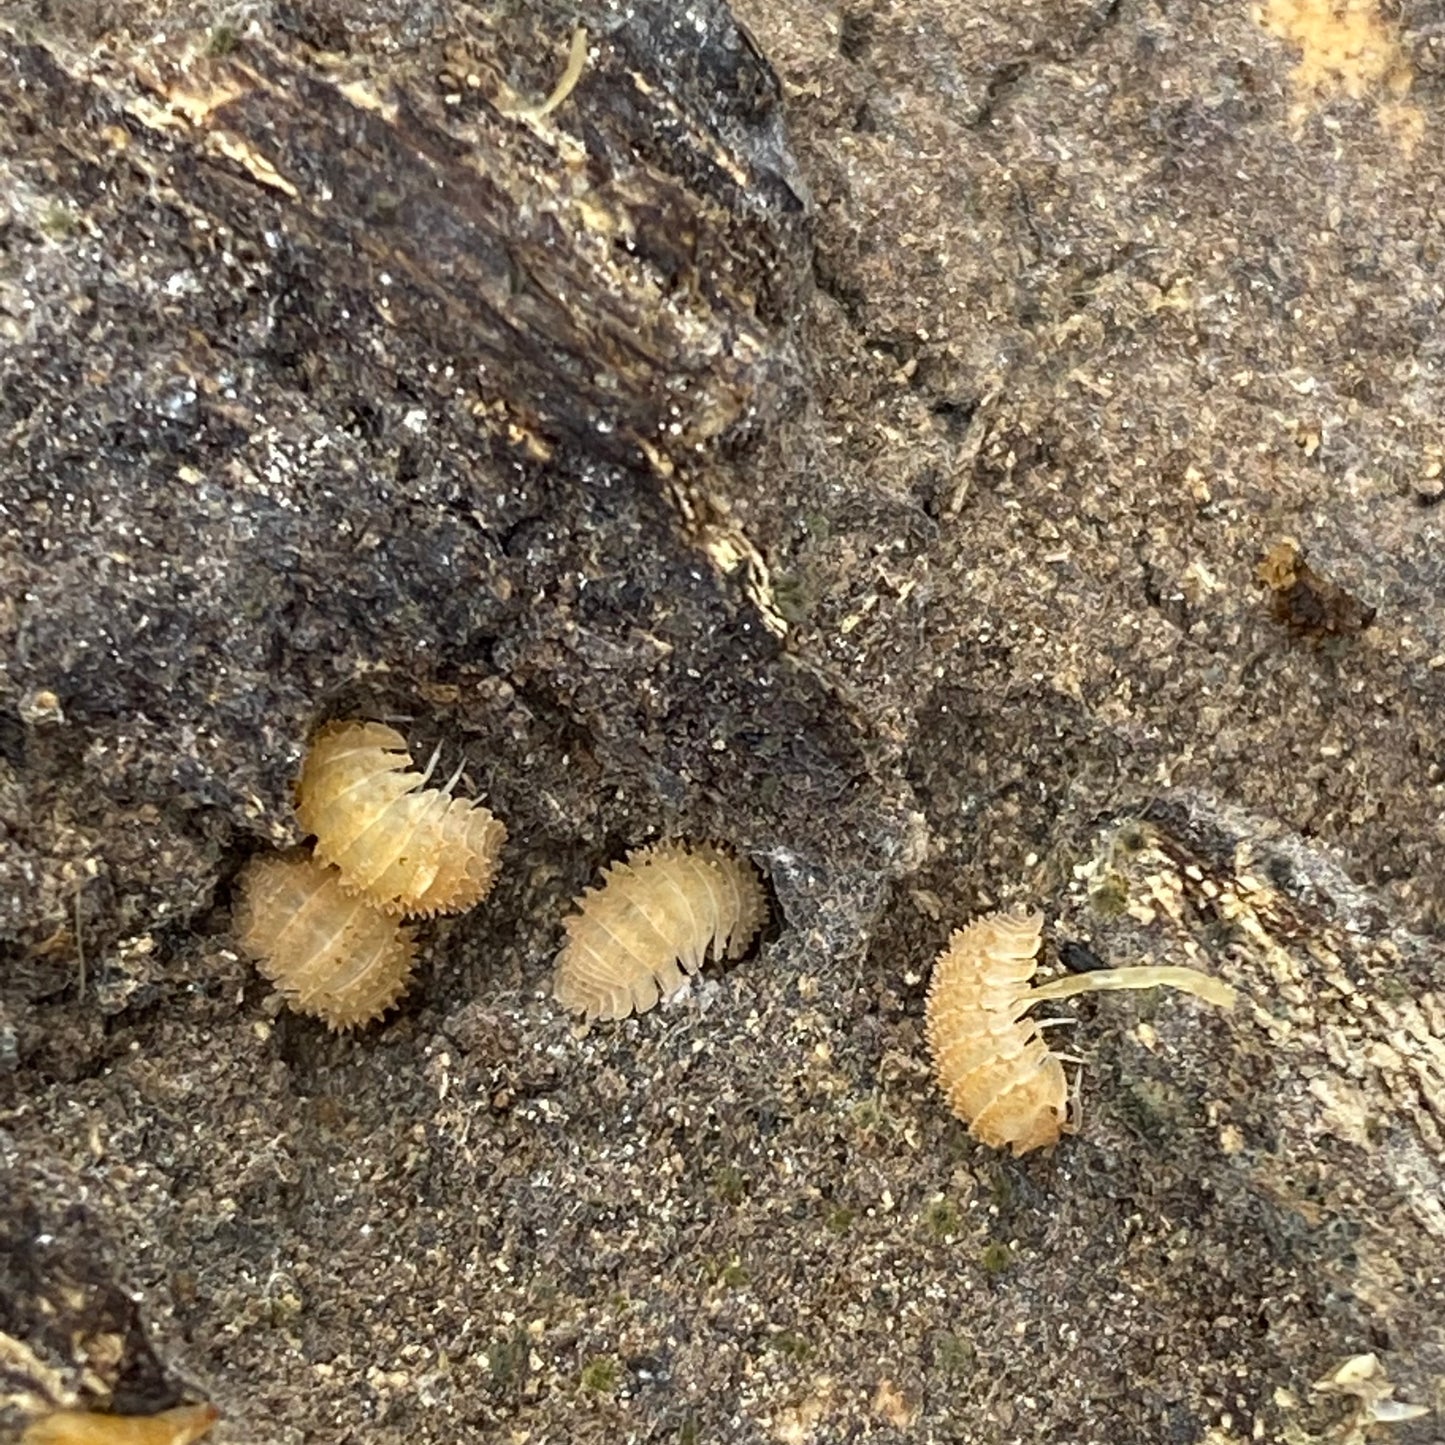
(576,63)
(79,948)
(1110,980)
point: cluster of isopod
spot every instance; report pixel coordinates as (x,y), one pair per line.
(324,925)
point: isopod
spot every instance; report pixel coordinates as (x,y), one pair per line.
(181,1426)
(1000,1077)
(660,908)
(409,848)
(331,953)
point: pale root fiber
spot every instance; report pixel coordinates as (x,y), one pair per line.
(633,940)
(410,849)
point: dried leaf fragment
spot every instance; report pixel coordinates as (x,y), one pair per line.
(660,908)
(331,953)
(410,849)
(180,1426)
(1306,603)
(1000,1077)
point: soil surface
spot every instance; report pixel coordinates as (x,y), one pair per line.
(957,456)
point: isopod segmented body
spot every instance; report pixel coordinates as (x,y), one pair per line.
(990,1060)
(652,921)
(999,1075)
(330,952)
(410,849)
(180,1426)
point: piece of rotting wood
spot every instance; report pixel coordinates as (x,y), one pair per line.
(633,940)
(623,279)
(331,953)
(409,848)
(1308,604)
(990,1060)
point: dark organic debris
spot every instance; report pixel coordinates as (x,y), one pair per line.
(1308,604)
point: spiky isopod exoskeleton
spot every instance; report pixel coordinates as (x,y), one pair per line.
(999,1075)
(331,953)
(409,848)
(181,1426)
(661,907)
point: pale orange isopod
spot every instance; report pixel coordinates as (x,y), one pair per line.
(331,953)
(411,849)
(1000,1077)
(181,1426)
(660,908)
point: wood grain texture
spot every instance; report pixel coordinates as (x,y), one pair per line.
(619,271)
(633,940)
(330,952)
(408,848)
(997,1072)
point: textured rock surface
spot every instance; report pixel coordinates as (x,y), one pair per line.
(885,499)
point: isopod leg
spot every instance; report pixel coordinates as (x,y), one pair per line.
(1074,1115)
